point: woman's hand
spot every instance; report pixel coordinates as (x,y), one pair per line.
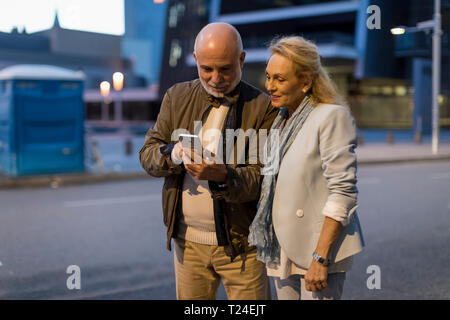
(316,277)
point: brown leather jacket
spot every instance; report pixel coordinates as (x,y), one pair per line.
(234,205)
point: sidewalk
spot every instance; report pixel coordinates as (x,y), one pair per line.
(115,156)
(383,153)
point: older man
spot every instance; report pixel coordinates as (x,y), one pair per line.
(209,205)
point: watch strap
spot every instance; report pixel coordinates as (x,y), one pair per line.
(321,260)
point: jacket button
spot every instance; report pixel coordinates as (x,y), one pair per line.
(299,213)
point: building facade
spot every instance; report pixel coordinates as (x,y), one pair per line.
(385,79)
(98,56)
(143,40)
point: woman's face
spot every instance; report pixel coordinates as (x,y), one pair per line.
(282,83)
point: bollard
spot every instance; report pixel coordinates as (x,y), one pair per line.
(418,133)
(96,155)
(94,146)
(390,137)
(128,147)
(418,137)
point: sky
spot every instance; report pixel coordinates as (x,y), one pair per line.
(103,16)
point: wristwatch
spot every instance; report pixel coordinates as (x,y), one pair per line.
(322,261)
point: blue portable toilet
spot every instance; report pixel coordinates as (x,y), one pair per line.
(41,120)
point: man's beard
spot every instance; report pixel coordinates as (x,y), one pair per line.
(210,87)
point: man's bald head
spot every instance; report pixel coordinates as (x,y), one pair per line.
(219,56)
(218,36)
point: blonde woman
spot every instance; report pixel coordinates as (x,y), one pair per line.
(306,229)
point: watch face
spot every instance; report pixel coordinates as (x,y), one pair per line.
(321,260)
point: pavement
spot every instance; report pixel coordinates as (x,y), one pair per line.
(114,155)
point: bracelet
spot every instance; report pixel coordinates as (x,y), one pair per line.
(322,261)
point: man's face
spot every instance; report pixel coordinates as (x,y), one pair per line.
(219,70)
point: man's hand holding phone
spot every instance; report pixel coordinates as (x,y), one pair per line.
(192,155)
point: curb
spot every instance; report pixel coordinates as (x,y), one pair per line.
(57,180)
(404,160)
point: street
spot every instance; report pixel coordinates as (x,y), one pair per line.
(114,233)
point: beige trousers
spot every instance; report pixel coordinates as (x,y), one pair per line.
(293,288)
(199,269)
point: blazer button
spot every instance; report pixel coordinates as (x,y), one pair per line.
(299,213)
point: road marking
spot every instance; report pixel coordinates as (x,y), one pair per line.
(443,175)
(369,181)
(110,201)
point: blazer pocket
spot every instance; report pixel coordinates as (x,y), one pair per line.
(309,220)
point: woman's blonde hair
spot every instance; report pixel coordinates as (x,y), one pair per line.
(303,53)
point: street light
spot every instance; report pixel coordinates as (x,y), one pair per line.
(435,26)
(398,30)
(118,86)
(105,88)
(118,81)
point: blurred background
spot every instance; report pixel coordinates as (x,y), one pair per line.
(81,81)
(385,78)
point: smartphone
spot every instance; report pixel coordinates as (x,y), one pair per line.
(192,142)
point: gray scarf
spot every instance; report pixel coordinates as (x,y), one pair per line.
(262,234)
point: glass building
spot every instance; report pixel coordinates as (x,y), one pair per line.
(386,79)
(144,37)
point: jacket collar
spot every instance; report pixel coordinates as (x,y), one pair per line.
(229,99)
(209,100)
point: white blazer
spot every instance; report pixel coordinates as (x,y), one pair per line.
(317,178)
